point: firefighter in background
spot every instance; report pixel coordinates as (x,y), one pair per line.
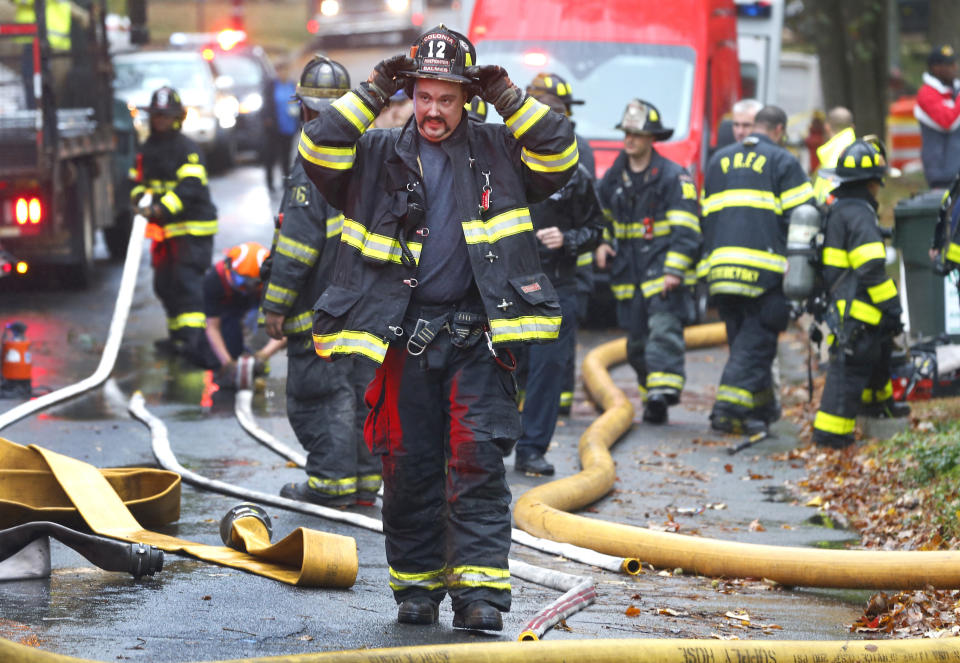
(553,90)
(436,273)
(654,246)
(324,400)
(566,224)
(183,221)
(231,295)
(749,190)
(476,110)
(938,112)
(864,309)
(838,127)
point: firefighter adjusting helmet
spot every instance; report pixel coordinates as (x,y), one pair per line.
(246,259)
(552,84)
(642,117)
(476,109)
(166,101)
(322,81)
(863,159)
(443,54)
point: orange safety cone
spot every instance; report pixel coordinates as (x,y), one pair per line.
(17,363)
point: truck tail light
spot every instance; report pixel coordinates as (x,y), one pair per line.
(28,210)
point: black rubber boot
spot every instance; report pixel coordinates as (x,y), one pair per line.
(418,610)
(304,493)
(533,463)
(655,410)
(478,616)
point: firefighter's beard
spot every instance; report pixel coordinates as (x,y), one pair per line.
(434,127)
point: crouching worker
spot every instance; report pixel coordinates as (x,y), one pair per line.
(231,297)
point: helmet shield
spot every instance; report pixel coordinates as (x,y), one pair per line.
(442,54)
(643,117)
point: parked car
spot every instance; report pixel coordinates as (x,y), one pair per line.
(212,109)
(244,70)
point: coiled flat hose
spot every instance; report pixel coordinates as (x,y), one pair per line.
(542,512)
(632,650)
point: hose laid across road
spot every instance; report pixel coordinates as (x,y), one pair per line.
(542,512)
(580,591)
(118,322)
(632,650)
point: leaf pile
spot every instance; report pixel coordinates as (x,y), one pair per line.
(898,494)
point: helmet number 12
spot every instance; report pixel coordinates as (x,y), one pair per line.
(440,47)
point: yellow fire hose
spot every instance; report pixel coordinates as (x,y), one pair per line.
(542,512)
(635,650)
(39,484)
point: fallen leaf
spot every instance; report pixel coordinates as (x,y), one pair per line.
(632,611)
(755,526)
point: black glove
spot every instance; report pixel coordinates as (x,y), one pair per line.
(890,324)
(384,80)
(497,89)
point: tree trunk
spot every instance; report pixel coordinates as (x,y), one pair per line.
(851,41)
(944,20)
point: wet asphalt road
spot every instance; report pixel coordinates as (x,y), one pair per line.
(196,611)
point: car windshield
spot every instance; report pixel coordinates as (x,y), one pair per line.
(606,76)
(242,69)
(145,74)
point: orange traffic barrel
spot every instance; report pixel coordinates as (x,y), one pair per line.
(17,364)
(903,146)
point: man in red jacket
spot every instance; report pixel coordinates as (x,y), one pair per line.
(938,112)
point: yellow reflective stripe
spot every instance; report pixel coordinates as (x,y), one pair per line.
(637,229)
(161,185)
(566,398)
(192,170)
(885,393)
(882,292)
(864,312)
(735,395)
(337,487)
(658,379)
(526,116)
(683,219)
(652,287)
(479,576)
(373,245)
(502,225)
(133,173)
(735,288)
(831,423)
(953,252)
(730,198)
(551,163)
(866,252)
(369,482)
(355,111)
(738,255)
(623,291)
(584,259)
(527,327)
(194,319)
(350,342)
(172,202)
(298,324)
(677,261)
(196,228)
(297,250)
(334,158)
(796,196)
(427,580)
(334,225)
(280,295)
(835,257)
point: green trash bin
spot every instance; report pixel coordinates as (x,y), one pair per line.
(914,221)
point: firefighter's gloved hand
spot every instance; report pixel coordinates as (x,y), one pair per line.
(497,89)
(154,211)
(891,325)
(384,80)
(227,375)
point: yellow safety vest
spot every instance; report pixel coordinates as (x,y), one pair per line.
(58,22)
